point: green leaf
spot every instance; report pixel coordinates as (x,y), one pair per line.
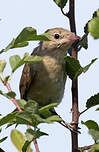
(34,134)
(96,13)
(90,124)
(94,134)
(97,109)
(18,45)
(86,68)
(15,62)
(8,118)
(21,103)
(61,3)
(44,111)
(8,47)
(26,147)
(73,67)
(95,148)
(3,139)
(43,37)
(27,34)
(7,78)
(24,118)
(80,150)
(17,139)
(93,27)
(93,129)
(31,107)
(92,101)
(11,123)
(30,34)
(8,95)
(29,119)
(11,94)
(32,59)
(2,65)
(54,118)
(47,107)
(1,92)
(84,43)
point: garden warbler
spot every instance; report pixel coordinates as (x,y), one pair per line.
(44,81)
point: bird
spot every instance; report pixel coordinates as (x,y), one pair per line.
(44,82)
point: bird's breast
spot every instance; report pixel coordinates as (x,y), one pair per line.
(49,82)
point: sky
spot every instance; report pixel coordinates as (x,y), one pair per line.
(42,15)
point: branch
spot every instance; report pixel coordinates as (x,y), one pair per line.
(19,109)
(12,99)
(83,111)
(84,36)
(62,11)
(75,111)
(35,142)
(86,147)
(65,14)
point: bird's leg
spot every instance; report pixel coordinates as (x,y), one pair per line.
(70,126)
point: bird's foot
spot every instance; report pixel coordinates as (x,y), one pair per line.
(71,126)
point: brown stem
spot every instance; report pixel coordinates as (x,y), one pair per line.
(20,110)
(75,111)
(63,12)
(86,147)
(12,99)
(83,111)
(35,142)
(71,15)
(36,145)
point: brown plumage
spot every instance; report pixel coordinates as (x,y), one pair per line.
(44,82)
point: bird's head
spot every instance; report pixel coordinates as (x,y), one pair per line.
(59,38)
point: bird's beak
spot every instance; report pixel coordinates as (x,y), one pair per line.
(73,37)
(70,39)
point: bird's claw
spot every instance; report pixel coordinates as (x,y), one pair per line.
(71,126)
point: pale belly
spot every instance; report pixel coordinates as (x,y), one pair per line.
(48,84)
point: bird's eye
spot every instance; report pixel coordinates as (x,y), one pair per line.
(56,36)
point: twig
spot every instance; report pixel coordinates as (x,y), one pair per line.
(65,14)
(19,109)
(84,36)
(35,142)
(80,39)
(83,111)
(12,99)
(62,11)
(86,147)
(36,145)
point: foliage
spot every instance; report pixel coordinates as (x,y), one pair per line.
(92,26)
(31,114)
(61,3)
(27,34)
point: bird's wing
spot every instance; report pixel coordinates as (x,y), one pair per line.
(27,77)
